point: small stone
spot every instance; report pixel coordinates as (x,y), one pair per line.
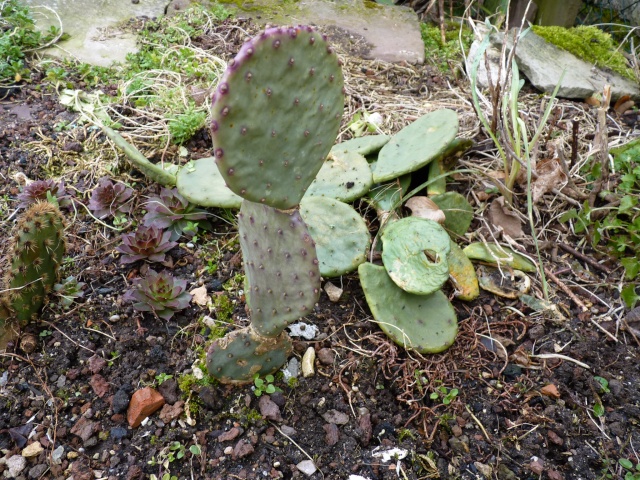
(550,391)
(242,449)
(85,428)
(554,438)
(616,387)
(304,330)
(536,332)
(287,430)
(537,465)
(334,416)
(96,363)
(143,403)
(38,470)
(364,422)
(100,386)
(232,434)
(15,465)
(32,450)
(307,467)
(459,445)
(118,433)
(114,318)
(200,296)
(72,455)
(332,433)
(485,470)
(120,401)
(504,473)
(334,293)
(308,359)
(170,412)
(292,369)
(269,409)
(326,356)
(456,430)
(555,475)
(169,391)
(228,450)
(57,454)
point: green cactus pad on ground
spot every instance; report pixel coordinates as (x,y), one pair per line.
(345,176)
(281,267)
(363,145)
(414,252)
(441,165)
(276,114)
(238,356)
(424,323)
(462,274)
(36,255)
(200,182)
(493,254)
(457,210)
(416,145)
(341,234)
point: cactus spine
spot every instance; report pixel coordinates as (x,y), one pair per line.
(36,253)
(276,114)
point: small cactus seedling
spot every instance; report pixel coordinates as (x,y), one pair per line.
(276,114)
(36,254)
(275,117)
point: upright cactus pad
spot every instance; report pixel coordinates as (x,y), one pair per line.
(241,354)
(36,254)
(424,323)
(281,266)
(276,114)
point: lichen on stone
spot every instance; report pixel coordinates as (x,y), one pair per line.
(588,43)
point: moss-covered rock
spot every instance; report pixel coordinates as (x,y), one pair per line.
(588,43)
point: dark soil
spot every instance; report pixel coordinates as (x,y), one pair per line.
(69,391)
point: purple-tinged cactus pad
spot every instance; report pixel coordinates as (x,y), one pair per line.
(241,354)
(281,267)
(276,114)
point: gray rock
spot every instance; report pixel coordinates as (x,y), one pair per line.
(38,470)
(616,387)
(120,401)
(307,467)
(118,433)
(15,465)
(269,409)
(169,391)
(544,63)
(334,416)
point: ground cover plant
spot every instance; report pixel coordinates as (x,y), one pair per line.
(530,385)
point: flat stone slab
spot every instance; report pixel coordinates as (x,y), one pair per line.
(93,26)
(544,63)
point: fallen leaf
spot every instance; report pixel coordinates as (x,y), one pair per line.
(424,207)
(502,217)
(550,391)
(200,296)
(550,176)
(593,101)
(623,104)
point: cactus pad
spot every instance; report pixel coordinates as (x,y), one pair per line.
(414,252)
(424,323)
(494,254)
(462,274)
(345,176)
(36,254)
(281,267)
(241,354)
(457,210)
(200,182)
(276,114)
(341,234)
(363,145)
(416,145)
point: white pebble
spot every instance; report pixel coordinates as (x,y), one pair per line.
(308,360)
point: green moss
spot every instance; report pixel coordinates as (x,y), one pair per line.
(223,307)
(443,55)
(588,43)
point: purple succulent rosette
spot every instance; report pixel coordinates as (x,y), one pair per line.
(109,199)
(37,191)
(171,210)
(159,293)
(149,243)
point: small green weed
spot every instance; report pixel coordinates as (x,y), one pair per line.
(184,125)
(162,377)
(632,472)
(265,385)
(444,394)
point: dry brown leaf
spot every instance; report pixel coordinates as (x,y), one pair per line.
(424,207)
(502,217)
(200,296)
(550,176)
(593,101)
(623,104)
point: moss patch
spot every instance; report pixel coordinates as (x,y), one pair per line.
(441,55)
(588,43)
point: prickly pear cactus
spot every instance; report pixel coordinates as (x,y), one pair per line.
(423,323)
(237,357)
(36,254)
(276,114)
